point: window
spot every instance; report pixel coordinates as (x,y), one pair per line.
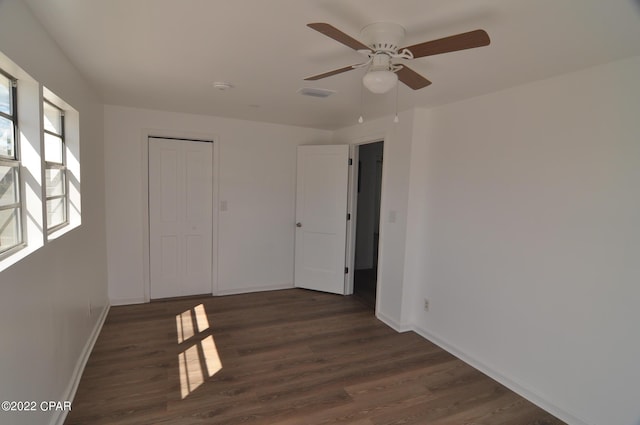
(56,186)
(11,235)
(40,198)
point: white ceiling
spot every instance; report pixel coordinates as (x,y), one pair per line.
(166,54)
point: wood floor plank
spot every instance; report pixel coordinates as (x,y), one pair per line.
(287,357)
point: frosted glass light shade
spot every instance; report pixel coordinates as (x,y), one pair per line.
(380,81)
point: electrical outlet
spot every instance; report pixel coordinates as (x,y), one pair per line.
(426,304)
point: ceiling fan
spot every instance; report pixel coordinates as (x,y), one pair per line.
(382,49)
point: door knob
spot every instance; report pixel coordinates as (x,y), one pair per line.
(298,224)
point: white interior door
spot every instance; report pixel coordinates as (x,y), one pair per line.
(321,217)
(180,217)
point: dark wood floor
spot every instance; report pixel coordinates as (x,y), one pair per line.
(288,357)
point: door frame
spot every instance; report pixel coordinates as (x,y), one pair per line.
(352,208)
(144,169)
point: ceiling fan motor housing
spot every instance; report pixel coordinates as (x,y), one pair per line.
(380,62)
(383,36)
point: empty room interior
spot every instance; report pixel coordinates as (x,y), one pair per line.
(320,211)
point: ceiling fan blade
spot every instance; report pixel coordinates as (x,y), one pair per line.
(467,40)
(411,78)
(332,32)
(330,73)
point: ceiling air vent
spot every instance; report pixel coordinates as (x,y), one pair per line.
(309,91)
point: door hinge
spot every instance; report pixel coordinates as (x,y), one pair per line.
(348,216)
(350,161)
(346,270)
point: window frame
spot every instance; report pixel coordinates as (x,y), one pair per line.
(14,162)
(61,166)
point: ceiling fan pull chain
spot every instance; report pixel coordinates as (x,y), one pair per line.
(396,119)
(360,119)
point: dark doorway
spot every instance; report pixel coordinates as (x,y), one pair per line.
(368,222)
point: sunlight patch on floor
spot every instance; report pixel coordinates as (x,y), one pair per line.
(211,357)
(201,318)
(184,325)
(200,360)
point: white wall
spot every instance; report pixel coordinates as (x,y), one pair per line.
(45,297)
(256,179)
(417,219)
(531,238)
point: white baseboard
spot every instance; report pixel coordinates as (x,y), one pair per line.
(235,291)
(127,301)
(562,414)
(229,291)
(398,327)
(60,415)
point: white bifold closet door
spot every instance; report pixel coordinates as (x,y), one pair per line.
(180,217)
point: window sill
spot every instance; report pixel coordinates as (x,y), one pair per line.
(62,230)
(15,254)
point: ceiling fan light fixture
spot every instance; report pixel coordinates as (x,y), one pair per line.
(380,82)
